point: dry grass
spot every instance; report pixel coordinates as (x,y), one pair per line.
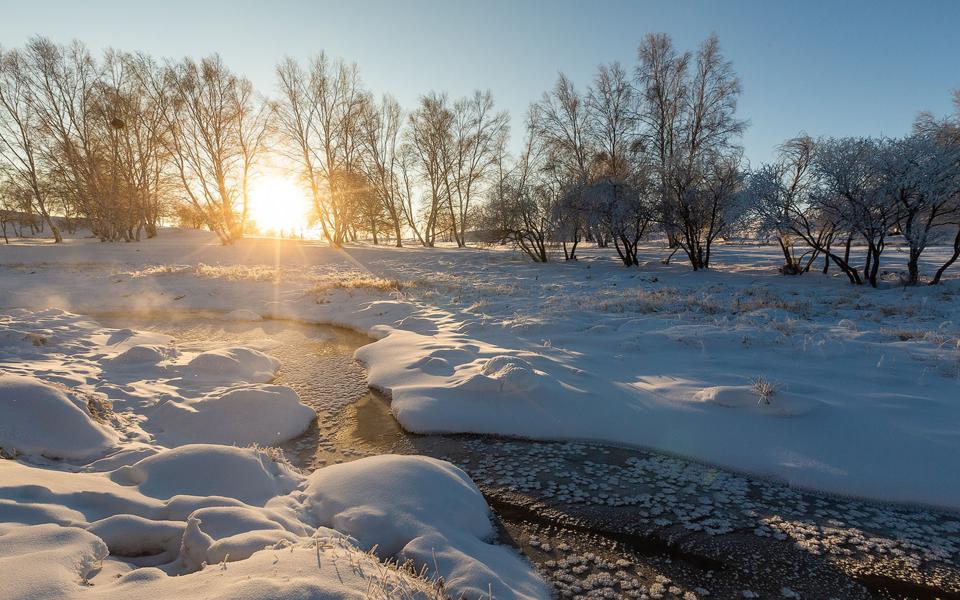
(758,299)
(936,337)
(763,389)
(387,579)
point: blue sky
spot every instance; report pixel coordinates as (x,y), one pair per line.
(827,68)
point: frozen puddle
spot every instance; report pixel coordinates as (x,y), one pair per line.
(608,522)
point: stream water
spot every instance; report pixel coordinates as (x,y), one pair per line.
(608,522)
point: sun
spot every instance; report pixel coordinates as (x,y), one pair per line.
(278,205)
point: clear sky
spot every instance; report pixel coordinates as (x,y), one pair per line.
(825,67)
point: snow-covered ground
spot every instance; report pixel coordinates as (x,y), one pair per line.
(864,390)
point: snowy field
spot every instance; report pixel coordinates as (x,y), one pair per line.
(150,457)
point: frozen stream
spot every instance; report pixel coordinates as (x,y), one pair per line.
(609,522)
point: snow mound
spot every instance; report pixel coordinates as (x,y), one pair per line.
(243,315)
(245,415)
(198,547)
(847,324)
(37,418)
(420,508)
(132,535)
(246,474)
(235,364)
(504,374)
(783,404)
(46,561)
(143,354)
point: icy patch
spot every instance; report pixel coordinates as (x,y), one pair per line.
(40,419)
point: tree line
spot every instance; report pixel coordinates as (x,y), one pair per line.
(657,149)
(123,141)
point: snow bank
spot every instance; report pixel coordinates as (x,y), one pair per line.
(191,507)
(244,415)
(38,418)
(423,509)
(52,562)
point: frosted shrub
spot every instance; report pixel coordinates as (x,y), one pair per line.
(764,389)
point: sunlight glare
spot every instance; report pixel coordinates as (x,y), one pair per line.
(278,205)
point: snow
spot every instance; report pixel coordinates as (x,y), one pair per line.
(745,397)
(243,364)
(49,561)
(163,482)
(38,418)
(208,470)
(482,341)
(250,414)
(370,500)
(54,562)
(193,506)
(467,340)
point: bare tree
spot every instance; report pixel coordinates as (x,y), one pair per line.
(252,120)
(561,123)
(623,210)
(405,188)
(850,193)
(430,138)
(132,131)
(618,194)
(67,84)
(779,192)
(205,145)
(921,179)
(521,207)
(613,115)
(946,134)
(692,129)
(662,80)
(21,135)
(477,134)
(380,128)
(319,118)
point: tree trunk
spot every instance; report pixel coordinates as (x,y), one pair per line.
(913,268)
(950,261)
